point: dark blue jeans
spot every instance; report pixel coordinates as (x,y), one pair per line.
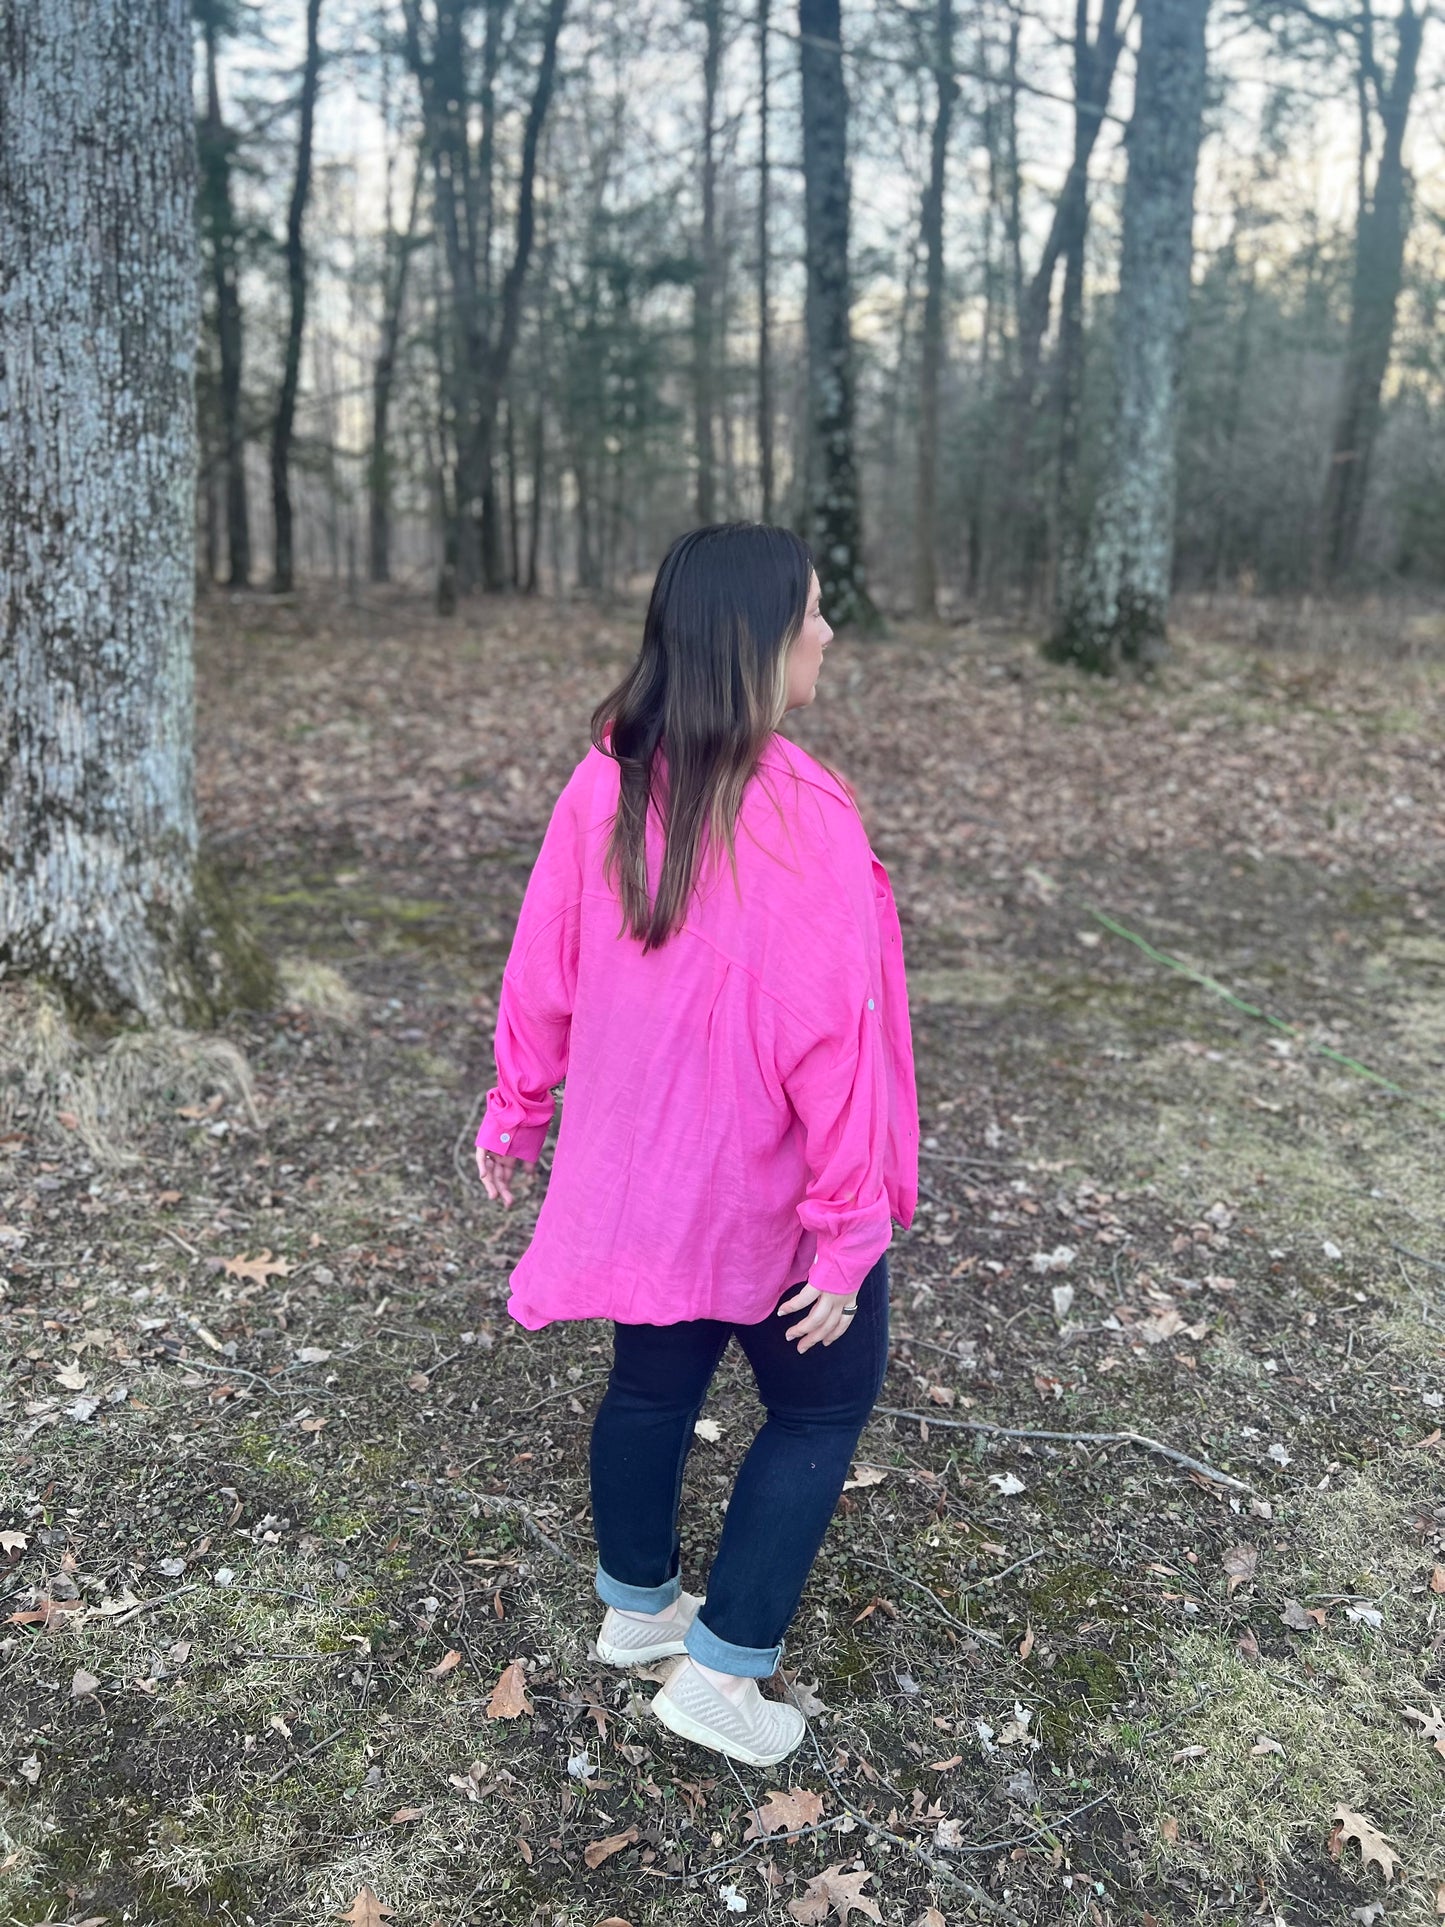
(787,1486)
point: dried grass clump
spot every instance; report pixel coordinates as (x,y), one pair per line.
(317,987)
(53,1080)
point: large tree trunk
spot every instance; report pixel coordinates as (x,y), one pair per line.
(704,287)
(99,314)
(283,572)
(1382,226)
(834,525)
(383,378)
(219,216)
(1114,606)
(925,563)
(765,373)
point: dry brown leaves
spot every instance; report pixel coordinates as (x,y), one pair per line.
(834,1891)
(509,1696)
(785,1812)
(366,1910)
(1374,1847)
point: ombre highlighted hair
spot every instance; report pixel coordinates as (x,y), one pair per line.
(708,689)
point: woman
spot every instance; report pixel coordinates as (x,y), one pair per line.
(708,952)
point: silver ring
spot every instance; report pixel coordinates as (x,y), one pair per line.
(849,1311)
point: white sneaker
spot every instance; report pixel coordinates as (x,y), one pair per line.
(628,1642)
(756,1731)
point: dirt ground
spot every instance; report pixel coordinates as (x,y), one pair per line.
(293,1518)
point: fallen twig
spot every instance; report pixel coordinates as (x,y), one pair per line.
(502,1503)
(1072,1438)
(907,1579)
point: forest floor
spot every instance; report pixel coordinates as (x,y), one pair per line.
(295,1536)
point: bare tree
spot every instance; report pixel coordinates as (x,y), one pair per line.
(832,512)
(765,372)
(399,251)
(99,285)
(1114,603)
(1382,226)
(281,433)
(484,331)
(705,278)
(925,564)
(218,220)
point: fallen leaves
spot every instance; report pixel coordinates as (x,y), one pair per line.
(708,1429)
(509,1695)
(1432,1726)
(834,1891)
(448,1662)
(366,1910)
(13,1541)
(865,1475)
(596,1851)
(84,1684)
(1239,1563)
(1374,1847)
(71,1376)
(258,1270)
(1301,1619)
(785,1812)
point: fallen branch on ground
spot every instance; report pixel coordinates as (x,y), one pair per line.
(1071,1438)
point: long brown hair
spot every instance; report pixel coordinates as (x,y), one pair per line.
(709,687)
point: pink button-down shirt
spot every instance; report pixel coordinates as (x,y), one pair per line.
(740,1112)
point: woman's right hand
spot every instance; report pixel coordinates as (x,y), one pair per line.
(496,1174)
(826,1322)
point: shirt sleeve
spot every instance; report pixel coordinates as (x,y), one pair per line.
(836,1079)
(534,1013)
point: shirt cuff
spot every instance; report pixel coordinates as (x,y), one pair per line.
(845,1259)
(508,1139)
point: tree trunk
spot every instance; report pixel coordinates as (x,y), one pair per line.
(219,217)
(383,377)
(99,317)
(1114,606)
(704,287)
(1095,63)
(296,285)
(1383,224)
(514,536)
(484,348)
(832,510)
(925,565)
(765,373)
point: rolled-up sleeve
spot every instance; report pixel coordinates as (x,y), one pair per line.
(534,1015)
(836,1081)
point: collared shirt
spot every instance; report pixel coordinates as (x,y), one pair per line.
(739,1112)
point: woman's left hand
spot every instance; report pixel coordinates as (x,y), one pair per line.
(826,1322)
(496,1174)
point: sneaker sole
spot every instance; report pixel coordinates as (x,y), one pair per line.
(687,1728)
(638,1655)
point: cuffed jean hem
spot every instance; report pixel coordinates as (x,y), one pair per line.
(636,1599)
(748,1662)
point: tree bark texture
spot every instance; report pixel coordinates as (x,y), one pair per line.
(296,286)
(218,216)
(925,563)
(1382,227)
(99,313)
(834,525)
(1114,604)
